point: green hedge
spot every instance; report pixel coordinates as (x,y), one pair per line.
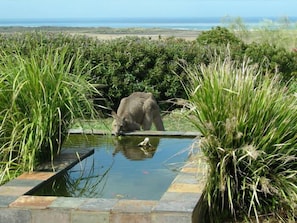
(138,64)
(130,64)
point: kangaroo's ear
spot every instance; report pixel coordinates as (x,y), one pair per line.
(114,115)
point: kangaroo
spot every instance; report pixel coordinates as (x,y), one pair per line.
(137,111)
(131,150)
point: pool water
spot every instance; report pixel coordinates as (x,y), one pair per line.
(119,168)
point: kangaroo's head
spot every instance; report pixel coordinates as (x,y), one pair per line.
(119,125)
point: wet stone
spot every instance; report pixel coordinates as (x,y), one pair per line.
(169,196)
(175,206)
(94,204)
(15,216)
(185,188)
(65,160)
(6,200)
(68,202)
(134,206)
(189,170)
(171,217)
(36,176)
(51,216)
(130,218)
(186,178)
(33,202)
(14,191)
(90,217)
(23,183)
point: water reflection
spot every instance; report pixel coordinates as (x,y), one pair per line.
(87,181)
(83,180)
(119,168)
(129,148)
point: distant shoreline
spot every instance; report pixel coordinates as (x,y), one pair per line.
(108,33)
(153,28)
(194,23)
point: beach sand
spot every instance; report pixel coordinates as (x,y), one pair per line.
(105,33)
(147,33)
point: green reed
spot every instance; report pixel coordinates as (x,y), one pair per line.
(41,93)
(278,33)
(248,122)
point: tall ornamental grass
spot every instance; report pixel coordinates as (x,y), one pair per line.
(249,127)
(40,95)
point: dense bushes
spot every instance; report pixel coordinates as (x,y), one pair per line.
(248,122)
(40,98)
(138,64)
(219,38)
(129,64)
(273,59)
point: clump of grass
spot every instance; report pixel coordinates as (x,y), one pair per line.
(41,93)
(248,122)
(278,33)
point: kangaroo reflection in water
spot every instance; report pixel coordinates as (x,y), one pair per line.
(130,148)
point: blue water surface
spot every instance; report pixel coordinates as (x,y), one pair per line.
(119,168)
(196,23)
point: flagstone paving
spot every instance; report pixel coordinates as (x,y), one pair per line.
(177,205)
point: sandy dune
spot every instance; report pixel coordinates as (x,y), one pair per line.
(106,33)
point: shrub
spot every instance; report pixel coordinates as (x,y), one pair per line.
(41,93)
(273,59)
(248,122)
(217,40)
(122,66)
(218,36)
(133,64)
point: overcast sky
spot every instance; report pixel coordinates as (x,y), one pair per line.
(145,8)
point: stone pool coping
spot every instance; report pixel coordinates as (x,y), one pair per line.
(139,133)
(178,204)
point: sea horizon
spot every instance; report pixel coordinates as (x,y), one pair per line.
(187,23)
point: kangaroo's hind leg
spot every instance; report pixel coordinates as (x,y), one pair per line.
(147,121)
(152,114)
(157,119)
(148,108)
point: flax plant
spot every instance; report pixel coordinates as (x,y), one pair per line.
(40,95)
(248,122)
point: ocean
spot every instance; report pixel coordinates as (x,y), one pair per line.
(198,23)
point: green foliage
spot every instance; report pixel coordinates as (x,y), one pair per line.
(41,93)
(237,26)
(273,59)
(249,126)
(248,121)
(280,33)
(218,39)
(218,36)
(124,65)
(133,64)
